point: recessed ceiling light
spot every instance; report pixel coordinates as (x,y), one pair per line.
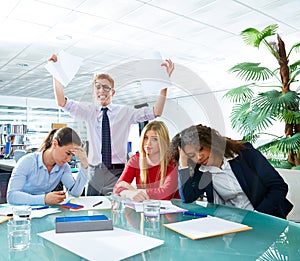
(23,64)
(64,37)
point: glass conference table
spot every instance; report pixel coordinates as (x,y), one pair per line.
(270,239)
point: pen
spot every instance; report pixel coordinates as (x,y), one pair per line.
(38,208)
(194,214)
(97,204)
(68,190)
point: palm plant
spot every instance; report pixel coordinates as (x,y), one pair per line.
(253,113)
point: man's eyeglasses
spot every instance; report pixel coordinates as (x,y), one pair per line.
(105,88)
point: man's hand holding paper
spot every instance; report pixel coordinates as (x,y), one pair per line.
(63,67)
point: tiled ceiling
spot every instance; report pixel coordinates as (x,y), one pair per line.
(201,36)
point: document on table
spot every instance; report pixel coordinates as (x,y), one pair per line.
(166,207)
(206,227)
(4,218)
(91,203)
(106,245)
(38,212)
(65,68)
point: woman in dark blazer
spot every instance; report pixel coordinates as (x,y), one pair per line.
(228,171)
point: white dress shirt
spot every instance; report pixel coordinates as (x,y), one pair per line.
(227,190)
(120,119)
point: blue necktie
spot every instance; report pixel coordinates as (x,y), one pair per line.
(106,143)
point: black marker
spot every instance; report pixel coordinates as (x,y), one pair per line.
(95,205)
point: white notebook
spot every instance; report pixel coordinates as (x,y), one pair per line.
(206,227)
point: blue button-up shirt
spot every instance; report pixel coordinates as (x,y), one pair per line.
(30,180)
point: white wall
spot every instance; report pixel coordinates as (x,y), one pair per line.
(292,178)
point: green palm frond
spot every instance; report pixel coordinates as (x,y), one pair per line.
(240,94)
(276,102)
(280,164)
(250,137)
(239,114)
(250,36)
(294,66)
(294,75)
(270,148)
(291,117)
(252,71)
(254,37)
(249,121)
(259,120)
(290,144)
(295,47)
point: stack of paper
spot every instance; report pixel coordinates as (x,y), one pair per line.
(206,227)
(166,207)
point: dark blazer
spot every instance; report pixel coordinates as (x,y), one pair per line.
(262,184)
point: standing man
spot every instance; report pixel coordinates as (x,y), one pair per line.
(105,169)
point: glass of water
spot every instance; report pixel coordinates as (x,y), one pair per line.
(21,212)
(151,214)
(18,234)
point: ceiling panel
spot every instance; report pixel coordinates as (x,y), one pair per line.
(202,37)
(37,12)
(112,10)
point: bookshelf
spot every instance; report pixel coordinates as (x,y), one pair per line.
(25,122)
(12,137)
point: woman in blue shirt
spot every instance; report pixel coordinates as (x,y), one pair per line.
(37,174)
(228,171)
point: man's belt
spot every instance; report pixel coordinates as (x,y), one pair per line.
(113,166)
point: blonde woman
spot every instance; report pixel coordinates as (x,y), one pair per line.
(155,176)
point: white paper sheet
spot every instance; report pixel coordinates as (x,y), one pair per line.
(107,245)
(43,212)
(145,73)
(89,201)
(166,207)
(4,218)
(202,203)
(38,213)
(206,227)
(65,68)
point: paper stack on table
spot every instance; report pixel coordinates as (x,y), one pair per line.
(166,207)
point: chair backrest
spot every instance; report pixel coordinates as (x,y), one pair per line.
(19,154)
(4,178)
(292,178)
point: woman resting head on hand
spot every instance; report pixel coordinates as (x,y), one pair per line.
(228,171)
(37,174)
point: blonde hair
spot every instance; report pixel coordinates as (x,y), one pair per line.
(104,76)
(163,142)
